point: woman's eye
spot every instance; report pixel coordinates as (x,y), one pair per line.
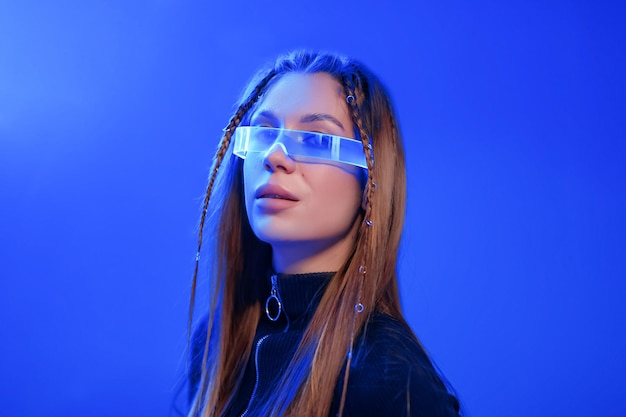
(267,133)
(317,139)
(310,138)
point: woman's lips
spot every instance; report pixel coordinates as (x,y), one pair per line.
(276,196)
(272,198)
(274,191)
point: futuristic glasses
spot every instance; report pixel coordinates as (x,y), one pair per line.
(299,145)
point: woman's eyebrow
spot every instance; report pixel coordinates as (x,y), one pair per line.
(307,118)
(314,117)
(265,114)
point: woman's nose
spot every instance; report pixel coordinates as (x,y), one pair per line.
(277,158)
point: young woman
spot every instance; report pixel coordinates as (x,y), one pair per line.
(306,199)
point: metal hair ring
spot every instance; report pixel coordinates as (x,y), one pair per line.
(359,307)
(350,99)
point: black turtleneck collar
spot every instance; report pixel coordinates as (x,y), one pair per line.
(301,293)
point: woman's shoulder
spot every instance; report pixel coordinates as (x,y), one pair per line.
(391,374)
(392,341)
(395,330)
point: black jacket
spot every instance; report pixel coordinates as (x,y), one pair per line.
(390,375)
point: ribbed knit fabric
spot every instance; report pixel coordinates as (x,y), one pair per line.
(390,375)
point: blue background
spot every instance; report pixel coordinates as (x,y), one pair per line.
(512,267)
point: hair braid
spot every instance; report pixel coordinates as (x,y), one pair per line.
(217,161)
(235,120)
(351,99)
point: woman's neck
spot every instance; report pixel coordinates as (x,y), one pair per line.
(314,256)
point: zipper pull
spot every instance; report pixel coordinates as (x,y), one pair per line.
(273,298)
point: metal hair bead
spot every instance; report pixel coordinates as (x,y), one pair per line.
(362,269)
(369,222)
(359,308)
(197,256)
(350,99)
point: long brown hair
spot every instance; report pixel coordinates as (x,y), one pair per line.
(366,283)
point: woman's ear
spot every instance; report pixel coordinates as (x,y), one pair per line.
(364,200)
(363,181)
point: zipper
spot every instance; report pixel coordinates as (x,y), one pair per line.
(275,298)
(256,368)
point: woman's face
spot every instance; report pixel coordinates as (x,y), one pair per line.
(294,204)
